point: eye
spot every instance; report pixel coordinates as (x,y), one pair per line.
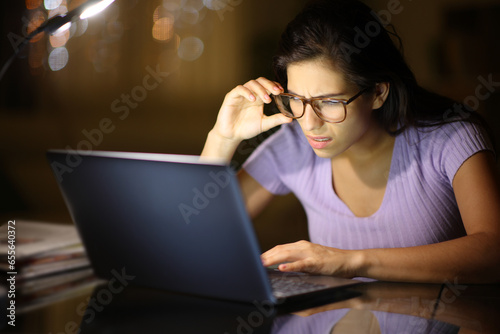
(295,100)
(330,102)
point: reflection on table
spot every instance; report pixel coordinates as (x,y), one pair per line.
(376,307)
(359,321)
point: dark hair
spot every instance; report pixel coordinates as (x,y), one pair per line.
(354,39)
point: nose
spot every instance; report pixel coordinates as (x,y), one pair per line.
(310,121)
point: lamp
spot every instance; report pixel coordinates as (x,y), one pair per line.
(60,22)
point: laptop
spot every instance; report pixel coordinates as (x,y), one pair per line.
(172,222)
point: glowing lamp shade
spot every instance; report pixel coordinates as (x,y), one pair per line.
(63,28)
(57,25)
(95,9)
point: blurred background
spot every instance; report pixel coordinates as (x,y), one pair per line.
(150,76)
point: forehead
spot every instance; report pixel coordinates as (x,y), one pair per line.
(315,77)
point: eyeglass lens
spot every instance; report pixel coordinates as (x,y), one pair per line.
(293,107)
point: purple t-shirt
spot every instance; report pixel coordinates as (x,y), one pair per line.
(418,207)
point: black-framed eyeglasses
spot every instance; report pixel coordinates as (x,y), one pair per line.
(328,109)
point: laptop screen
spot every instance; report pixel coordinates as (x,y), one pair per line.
(168,221)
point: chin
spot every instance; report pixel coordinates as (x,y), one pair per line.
(331,151)
(325,154)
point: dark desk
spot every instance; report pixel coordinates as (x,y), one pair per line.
(377,307)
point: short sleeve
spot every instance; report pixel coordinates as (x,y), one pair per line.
(279,157)
(455,143)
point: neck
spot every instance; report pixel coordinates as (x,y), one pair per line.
(372,145)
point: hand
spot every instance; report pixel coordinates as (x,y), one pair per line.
(304,256)
(241,115)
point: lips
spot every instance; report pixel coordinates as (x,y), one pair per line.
(319,142)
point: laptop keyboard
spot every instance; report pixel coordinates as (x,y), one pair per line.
(285,287)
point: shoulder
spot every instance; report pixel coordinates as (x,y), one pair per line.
(461,133)
(280,158)
(454,132)
(446,147)
(285,143)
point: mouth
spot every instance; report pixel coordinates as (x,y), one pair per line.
(319,142)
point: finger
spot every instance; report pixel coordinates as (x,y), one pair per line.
(270,259)
(269,122)
(278,89)
(264,88)
(298,245)
(280,254)
(243,91)
(272,87)
(259,90)
(300,265)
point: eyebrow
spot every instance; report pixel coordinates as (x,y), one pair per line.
(319,96)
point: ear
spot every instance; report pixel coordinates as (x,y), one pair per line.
(381,93)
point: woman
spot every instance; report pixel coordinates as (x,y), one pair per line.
(395,185)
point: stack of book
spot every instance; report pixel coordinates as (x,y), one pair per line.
(49,262)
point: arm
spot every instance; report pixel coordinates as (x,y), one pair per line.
(241,117)
(256,196)
(474,258)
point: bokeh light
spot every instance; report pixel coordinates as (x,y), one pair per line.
(36,20)
(160,12)
(197,4)
(173,5)
(81,27)
(58,58)
(52,50)
(190,48)
(163,29)
(59,39)
(33,4)
(215,4)
(190,15)
(57,11)
(52,4)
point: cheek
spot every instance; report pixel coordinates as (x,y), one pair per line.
(358,113)
(360,117)
(355,125)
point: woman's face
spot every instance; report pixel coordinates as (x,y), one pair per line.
(316,78)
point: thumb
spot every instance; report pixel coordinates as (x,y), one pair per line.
(269,122)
